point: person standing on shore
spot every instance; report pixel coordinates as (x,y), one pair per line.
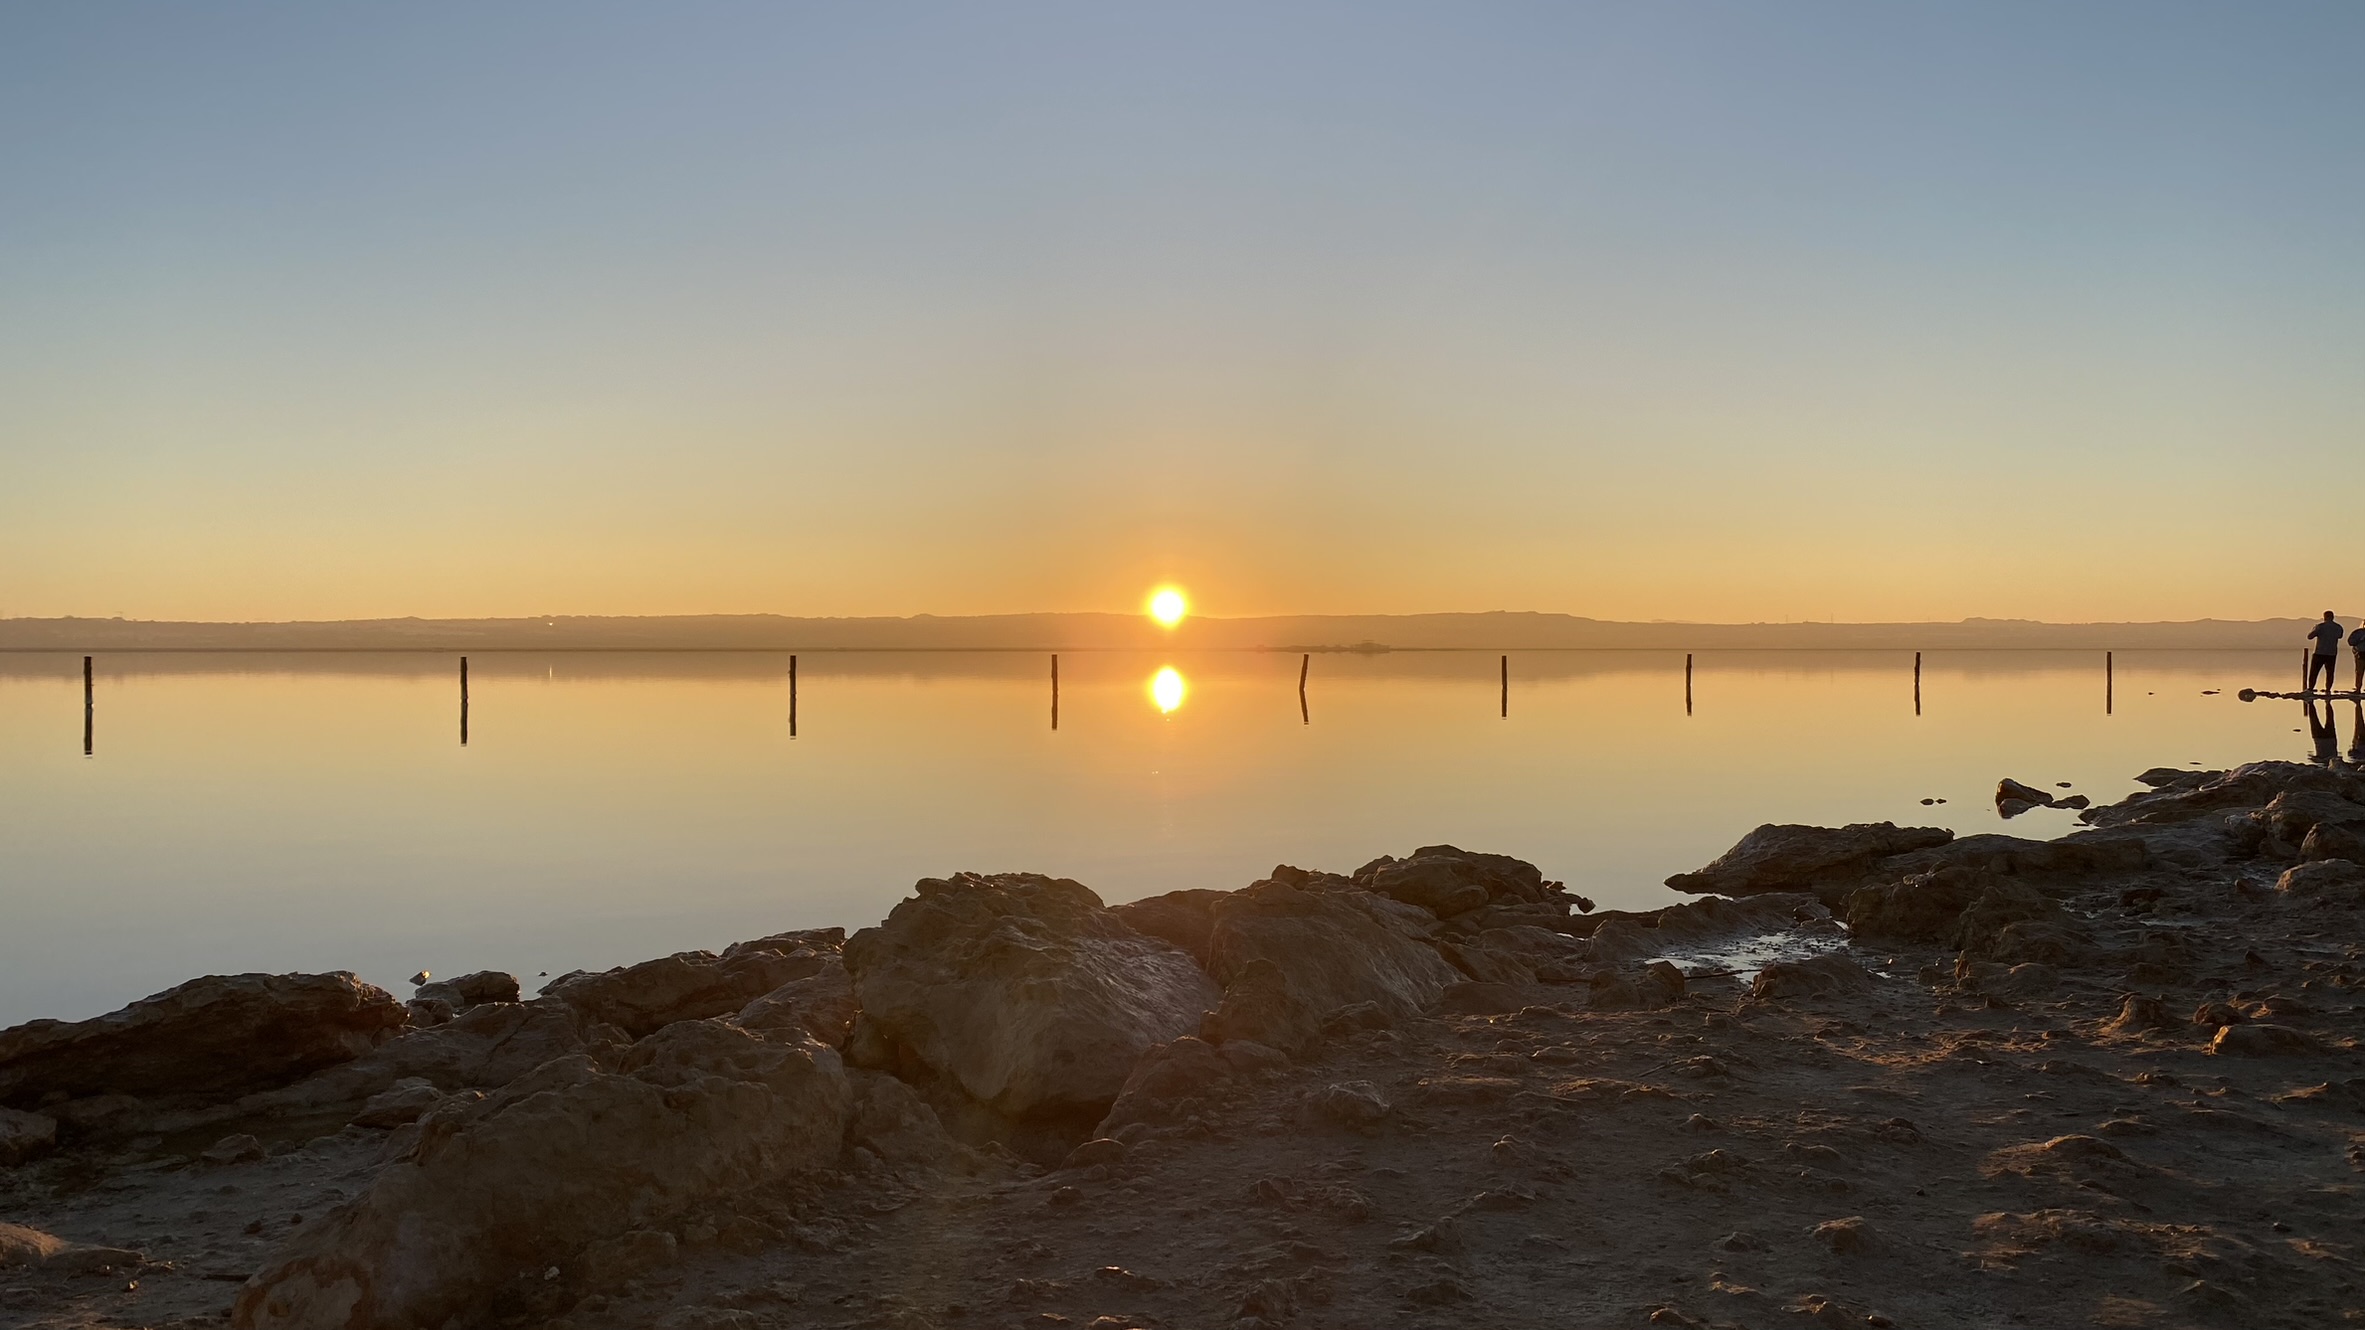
(2357,649)
(2328,637)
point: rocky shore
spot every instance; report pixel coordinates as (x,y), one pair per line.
(2113,1079)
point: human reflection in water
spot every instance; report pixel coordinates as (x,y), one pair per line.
(2357,732)
(2325,735)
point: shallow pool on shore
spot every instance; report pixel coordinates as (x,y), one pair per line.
(318,811)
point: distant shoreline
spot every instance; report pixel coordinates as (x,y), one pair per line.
(1312,634)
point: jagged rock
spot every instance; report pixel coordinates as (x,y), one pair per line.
(470,990)
(487,1045)
(1480,999)
(692,985)
(2324,879)
(25,1136)
(1289,958)
(1829,862)
(1923,908)
(2251,785)
(1021,989)
(1815,976)
(821,1004)
(1184,918)
(2009,792)
(566,1156)
(221,1036)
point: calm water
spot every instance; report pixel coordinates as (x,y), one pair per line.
(319,812)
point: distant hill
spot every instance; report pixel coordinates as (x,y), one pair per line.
(1499,630)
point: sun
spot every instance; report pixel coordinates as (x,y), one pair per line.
(1168,606)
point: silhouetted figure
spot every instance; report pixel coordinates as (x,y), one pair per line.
(2357,649)
(2328,637)
(2326,736)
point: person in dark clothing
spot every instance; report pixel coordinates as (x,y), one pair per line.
(2328,636)
(2357,649)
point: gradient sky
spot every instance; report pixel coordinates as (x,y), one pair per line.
(1650,310)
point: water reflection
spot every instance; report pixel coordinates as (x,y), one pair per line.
(1167,688)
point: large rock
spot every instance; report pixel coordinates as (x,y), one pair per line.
(2324,879)
(1184,918)
(25,1135)
(821,1004)
(527,1178)
(694,985)
(486,1046)
(1289,957)
(1962,908)
(1446,880)
(218,1036)
(2252,785)
(1022,990)
(1829,862)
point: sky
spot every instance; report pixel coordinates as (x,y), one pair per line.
(1662,310)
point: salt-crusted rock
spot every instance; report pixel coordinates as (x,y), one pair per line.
(403,1102)
(892,1122)
(25,1135)
(1020,989)
(1288,958)
(219,1036)
(693,985)
(566,1156)
(1830,862)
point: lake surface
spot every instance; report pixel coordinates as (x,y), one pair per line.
(319,812)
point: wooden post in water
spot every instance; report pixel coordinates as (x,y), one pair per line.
(792,697)
(2109,683)
(463,701)
(89,704)
(1054,690)
(1917,683)
(1687,683)
(1305,663)
(1506,687)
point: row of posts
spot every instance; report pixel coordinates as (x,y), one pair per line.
(1304,670)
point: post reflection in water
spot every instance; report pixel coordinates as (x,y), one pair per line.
(1167,688)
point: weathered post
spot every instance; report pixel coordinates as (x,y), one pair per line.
(89,705)
(1687,683)
(792,697)
(463,701)
(2109,683)
(1304,664)
(1506,687)
(1917,683)
(1054,690)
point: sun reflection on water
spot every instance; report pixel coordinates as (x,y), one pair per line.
(1167,688)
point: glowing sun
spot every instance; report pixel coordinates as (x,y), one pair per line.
(1168,607)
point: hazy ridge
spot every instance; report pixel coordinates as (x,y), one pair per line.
(1502,630)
